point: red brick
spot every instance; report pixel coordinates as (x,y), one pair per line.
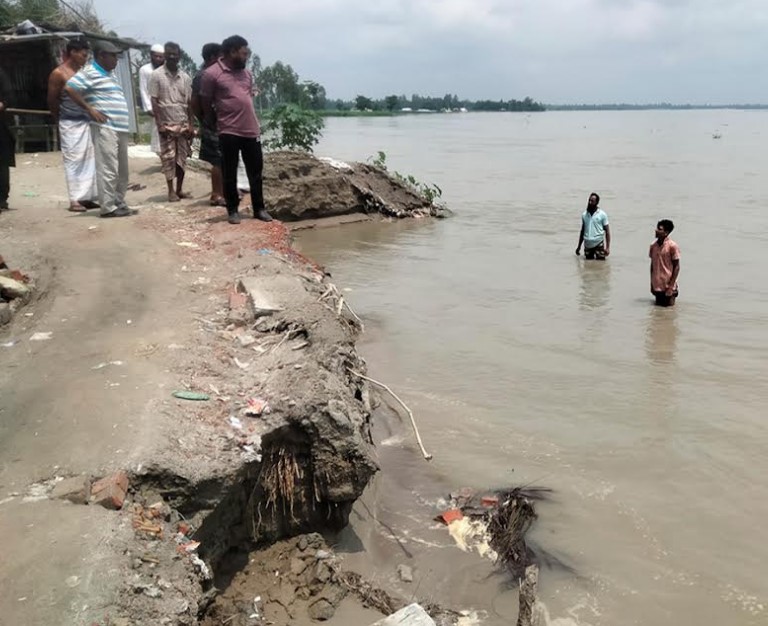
(110,491)
(450,516)
(237,300)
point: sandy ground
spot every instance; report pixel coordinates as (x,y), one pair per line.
(123,301)
(107,292)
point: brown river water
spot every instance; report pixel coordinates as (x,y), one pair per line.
(524,364)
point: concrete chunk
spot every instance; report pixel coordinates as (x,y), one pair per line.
(12,289)
(411,615)
(76,489)
(405,573)
(260,296)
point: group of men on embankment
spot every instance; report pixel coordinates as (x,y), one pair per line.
(89,105)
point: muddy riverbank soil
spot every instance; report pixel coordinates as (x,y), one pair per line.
(124,315)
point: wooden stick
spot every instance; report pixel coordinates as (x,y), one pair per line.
(281,342)
(333,290)
(349,308)
(525,616)
(426,454)
(28,111)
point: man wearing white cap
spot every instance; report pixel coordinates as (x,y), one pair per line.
(156,59)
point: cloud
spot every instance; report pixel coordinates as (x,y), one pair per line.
(553,50)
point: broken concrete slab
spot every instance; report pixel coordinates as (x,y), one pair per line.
(12,289)
(261,294)
(76,489)
(411,615)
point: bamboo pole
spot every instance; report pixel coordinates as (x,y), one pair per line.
(27,111)
(426,454)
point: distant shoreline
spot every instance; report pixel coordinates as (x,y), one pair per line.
(561,107)
(653,107)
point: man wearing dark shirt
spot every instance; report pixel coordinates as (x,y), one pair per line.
(209,137)
(227,88)
(7,144)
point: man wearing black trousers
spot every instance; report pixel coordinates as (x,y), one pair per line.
(7,144)
(226,94)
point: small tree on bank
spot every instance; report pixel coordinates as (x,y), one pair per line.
(289,127)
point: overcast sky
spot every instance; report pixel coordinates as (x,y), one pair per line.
(556,51)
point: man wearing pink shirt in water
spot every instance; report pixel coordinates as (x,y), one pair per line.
(665,265)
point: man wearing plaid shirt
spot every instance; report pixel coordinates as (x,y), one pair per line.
(171,90)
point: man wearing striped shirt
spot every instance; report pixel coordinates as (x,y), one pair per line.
(96,89)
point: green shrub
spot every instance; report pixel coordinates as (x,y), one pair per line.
(289,127)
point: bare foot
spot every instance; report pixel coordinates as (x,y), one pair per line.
(183,195)
(76,207)
(218,201)
(172,197)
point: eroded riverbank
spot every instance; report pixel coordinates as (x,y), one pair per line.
(279,445)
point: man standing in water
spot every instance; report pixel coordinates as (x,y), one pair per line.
(665,265)
(227,88)
(156,60)
(74,130)
(595,233)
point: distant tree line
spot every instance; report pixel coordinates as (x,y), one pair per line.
(448,102)
(649,107)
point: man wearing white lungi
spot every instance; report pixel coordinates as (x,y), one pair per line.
(96,89)
(156,60)
(74,130)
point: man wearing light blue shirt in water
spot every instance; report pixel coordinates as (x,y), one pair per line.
(595,233)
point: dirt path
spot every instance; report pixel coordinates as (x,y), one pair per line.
(85,401)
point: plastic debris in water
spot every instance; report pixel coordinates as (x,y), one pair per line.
(191,395)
